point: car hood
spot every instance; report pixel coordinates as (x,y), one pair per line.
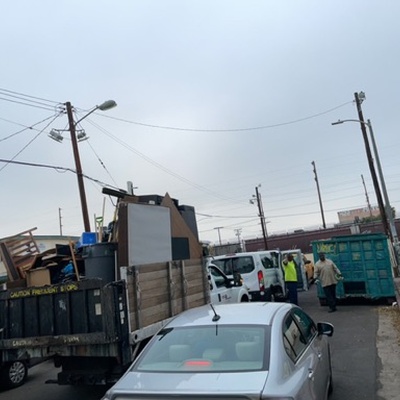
(192,383)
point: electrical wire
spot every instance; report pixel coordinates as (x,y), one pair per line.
(231,129)
(17,95)
(160,166)
(27,96)
(48,108)
(101,162)
(39,103)
(30,142)
(23,130)
(58,169)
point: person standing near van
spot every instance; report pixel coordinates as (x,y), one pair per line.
(329,275)
(289,267)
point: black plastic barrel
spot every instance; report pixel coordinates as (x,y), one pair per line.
(100,261)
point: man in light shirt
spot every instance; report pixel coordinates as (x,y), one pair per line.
(328,274)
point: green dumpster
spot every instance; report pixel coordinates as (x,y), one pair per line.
(365,263)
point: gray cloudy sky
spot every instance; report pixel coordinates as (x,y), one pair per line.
(208,71)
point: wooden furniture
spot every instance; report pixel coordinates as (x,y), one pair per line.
(18,254)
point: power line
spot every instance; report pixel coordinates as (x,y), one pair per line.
(48,108)
(25,127)
(101,162)
(231,129)
(30,142)
(160,166)
(40,103)
(57,168)
(28,100)
(29,96)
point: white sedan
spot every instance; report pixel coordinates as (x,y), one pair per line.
(246,351)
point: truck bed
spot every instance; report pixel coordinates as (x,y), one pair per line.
(91,328)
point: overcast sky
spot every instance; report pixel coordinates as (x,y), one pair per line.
(214,98)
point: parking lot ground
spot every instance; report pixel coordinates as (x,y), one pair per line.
(388,346)
(365,347)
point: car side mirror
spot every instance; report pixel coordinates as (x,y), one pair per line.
(325,328)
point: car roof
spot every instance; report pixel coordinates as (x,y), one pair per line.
(258,313)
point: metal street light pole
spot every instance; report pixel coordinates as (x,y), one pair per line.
(389,212)
(72,129)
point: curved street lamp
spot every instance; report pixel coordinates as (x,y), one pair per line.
(388,209)
(72,129)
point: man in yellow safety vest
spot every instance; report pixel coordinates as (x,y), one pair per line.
(289,267)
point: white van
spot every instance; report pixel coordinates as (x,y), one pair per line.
(261,271)
(224,289)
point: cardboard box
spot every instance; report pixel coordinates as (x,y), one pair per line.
(38,277)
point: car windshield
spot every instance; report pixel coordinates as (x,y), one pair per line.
(207,349)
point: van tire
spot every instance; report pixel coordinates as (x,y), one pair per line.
(244,299)
(268,295)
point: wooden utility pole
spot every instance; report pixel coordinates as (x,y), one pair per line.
(78,166)
(262,218)
(218,228)
(59,219)
(372,167)
(319,194)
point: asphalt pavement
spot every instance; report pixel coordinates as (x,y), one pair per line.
(365,348)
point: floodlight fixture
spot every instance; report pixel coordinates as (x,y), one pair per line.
(81,136)
(56,135)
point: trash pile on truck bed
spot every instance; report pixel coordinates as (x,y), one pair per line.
(26,266)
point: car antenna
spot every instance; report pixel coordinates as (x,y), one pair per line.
(216,317)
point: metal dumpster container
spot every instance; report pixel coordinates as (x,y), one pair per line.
(365,263)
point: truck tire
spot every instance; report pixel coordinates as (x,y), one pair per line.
(13,374)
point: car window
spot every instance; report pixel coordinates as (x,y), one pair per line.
(305,323)
(293,338)
(207,348)
(219,279)
(241,264)
(267,262)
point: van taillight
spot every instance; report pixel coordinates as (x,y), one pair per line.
(261,281)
